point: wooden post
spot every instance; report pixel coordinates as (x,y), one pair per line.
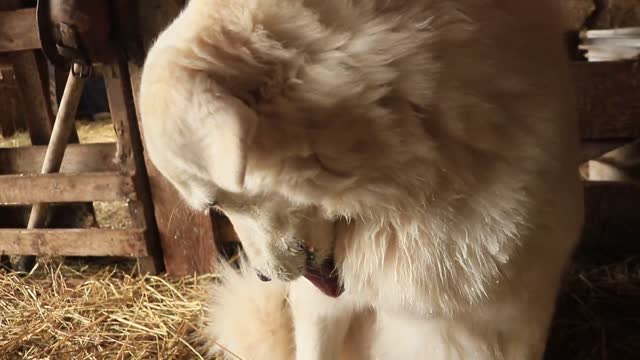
(187,237)
(30,70)
(11,119)
(130,157)
(608,99)
(62,127)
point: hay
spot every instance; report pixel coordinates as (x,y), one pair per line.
(112,214)
(94,311)
(59,312)
(88,132)
(598,313)
(17,140)
(96,131)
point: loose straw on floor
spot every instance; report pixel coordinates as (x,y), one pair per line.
(58,312)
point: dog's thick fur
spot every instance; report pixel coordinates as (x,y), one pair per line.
(430,146)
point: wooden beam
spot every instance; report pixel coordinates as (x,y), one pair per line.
(54,188)
(9,102)
(592,149)
(608,99)
(38,114)
(78,158)
(73,242)
(187,236)
(131,159)
(18,30)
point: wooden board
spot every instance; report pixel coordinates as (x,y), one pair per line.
(73,242)
(131,160)
(29,189)
(78,158)
(18,30)
(31,75)
(592,149)
(608,99)
(12,118)
(187,236)
(38,114)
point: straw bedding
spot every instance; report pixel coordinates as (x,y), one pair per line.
(98,312)
(80,311)
(598,313)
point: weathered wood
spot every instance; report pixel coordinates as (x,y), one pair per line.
(608,99)
(27,68)
(65,120)
(224,229)
(37,111)
(78,158)
(575,13)
(187,236)
(73,242)
(31,75)
(612,220)
(592,149)
(29,189)
(131,158)
(7,109)
(18,30)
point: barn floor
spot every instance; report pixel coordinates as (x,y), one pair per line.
(101,311)
(98,310)
(94,311)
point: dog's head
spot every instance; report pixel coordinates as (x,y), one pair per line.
(203,140)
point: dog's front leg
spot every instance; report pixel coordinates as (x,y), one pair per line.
(320,322)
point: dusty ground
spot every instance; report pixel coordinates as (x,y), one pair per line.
(100,311)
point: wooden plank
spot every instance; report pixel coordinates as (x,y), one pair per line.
(27,66)
(608,99)
(592,149)
(7,124)
(38,114)
(30,68)
(224,229)
(18,30)
(73,242)
(12,118)
(53,188)
(187,236)
(131,158)
(78,158)
(612,220)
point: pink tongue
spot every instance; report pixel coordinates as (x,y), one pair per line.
(325,278)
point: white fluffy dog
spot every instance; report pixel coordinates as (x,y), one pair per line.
(405,172)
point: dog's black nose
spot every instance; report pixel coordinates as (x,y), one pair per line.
(263,277)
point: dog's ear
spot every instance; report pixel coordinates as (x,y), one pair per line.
(229,128)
